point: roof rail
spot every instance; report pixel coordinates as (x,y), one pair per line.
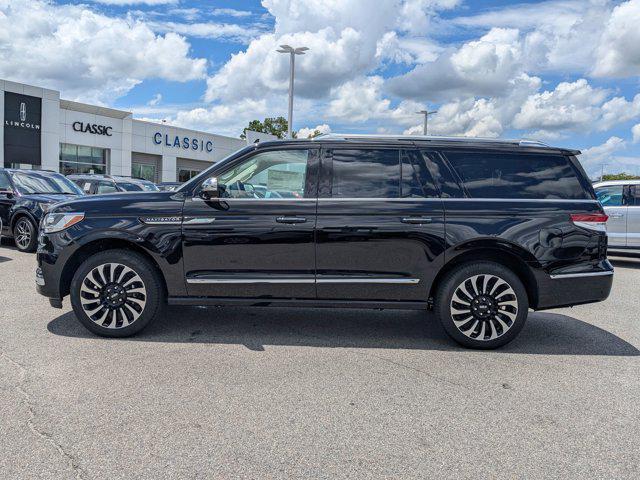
(525,142)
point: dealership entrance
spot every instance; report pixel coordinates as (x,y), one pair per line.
(144,165)
(187,169)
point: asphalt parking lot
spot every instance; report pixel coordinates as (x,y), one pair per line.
(274,393)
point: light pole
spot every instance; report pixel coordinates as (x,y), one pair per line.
(426,114)
(292,52)
(602,171)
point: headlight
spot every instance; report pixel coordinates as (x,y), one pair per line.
(56,222)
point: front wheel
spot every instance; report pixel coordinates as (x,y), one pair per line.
(25,235)
(116,293)
(482,305)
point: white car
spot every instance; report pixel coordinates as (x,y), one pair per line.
(621,201)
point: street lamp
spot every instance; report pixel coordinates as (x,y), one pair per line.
(426,114)
(292,52)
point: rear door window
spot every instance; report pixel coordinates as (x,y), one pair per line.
(509,175)
(105,187)
(371,173)
(611,195)
(415,179)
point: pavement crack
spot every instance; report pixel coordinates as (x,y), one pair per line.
(409,367)
(31,423)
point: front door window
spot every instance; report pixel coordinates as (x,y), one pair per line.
(268,175)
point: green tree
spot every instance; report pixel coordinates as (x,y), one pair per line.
(273,125)
(620,176)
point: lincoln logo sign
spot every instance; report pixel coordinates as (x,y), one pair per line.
(92,128)
(22,119)
(185,143)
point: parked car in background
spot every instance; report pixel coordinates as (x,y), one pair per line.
(168,186)
(478,230)
(98,184)
(621,202)
(25,196)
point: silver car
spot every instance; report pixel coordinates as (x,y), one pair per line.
(621,201)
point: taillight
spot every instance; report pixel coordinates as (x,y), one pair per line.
(591,221)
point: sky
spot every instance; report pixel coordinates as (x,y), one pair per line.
(565,72)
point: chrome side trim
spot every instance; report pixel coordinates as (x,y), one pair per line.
(199,221)
(418,200)
(397,281)
(249,281)
(561,276)
(505,200)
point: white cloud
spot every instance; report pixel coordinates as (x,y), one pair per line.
(635,131)
(347,39)
(482,67)
(568,106)
(88,55)
(592,159)
(157,98)
(617,53)
(307,132)
(361,100)
(212,30)
(619,110)
(229,118)
(231,12)
(136,2)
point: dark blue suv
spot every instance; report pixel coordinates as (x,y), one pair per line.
(25,196)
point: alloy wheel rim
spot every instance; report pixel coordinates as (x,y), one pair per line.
(23,234)
(484,307)
(113,295)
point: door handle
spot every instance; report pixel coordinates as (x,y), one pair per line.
(416,220)
(291,220)
(617,215)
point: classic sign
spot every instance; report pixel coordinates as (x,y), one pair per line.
(92,128)
(185,143)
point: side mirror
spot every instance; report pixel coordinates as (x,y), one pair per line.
(210,189)
(7,191)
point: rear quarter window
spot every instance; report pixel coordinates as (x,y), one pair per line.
(517,175)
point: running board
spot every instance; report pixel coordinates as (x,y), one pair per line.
(283,302)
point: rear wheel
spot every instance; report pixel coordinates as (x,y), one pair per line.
(25,235)
(482,305)
(116,293)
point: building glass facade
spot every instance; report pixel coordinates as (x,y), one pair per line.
(82,159)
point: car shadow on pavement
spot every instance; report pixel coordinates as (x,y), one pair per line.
(4,259)
(255,328)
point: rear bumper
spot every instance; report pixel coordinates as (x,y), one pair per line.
(575,288)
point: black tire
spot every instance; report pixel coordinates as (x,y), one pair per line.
(25,235)
(475,302)
(127,292)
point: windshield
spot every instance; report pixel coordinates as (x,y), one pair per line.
(38,183)
(150,187)
(130,187)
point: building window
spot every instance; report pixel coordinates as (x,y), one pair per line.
(81,159)
(184,174)
(141,170)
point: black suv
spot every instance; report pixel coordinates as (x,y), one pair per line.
(25,196)
(478,230)
(99,184)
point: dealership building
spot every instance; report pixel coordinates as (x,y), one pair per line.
(43,131)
